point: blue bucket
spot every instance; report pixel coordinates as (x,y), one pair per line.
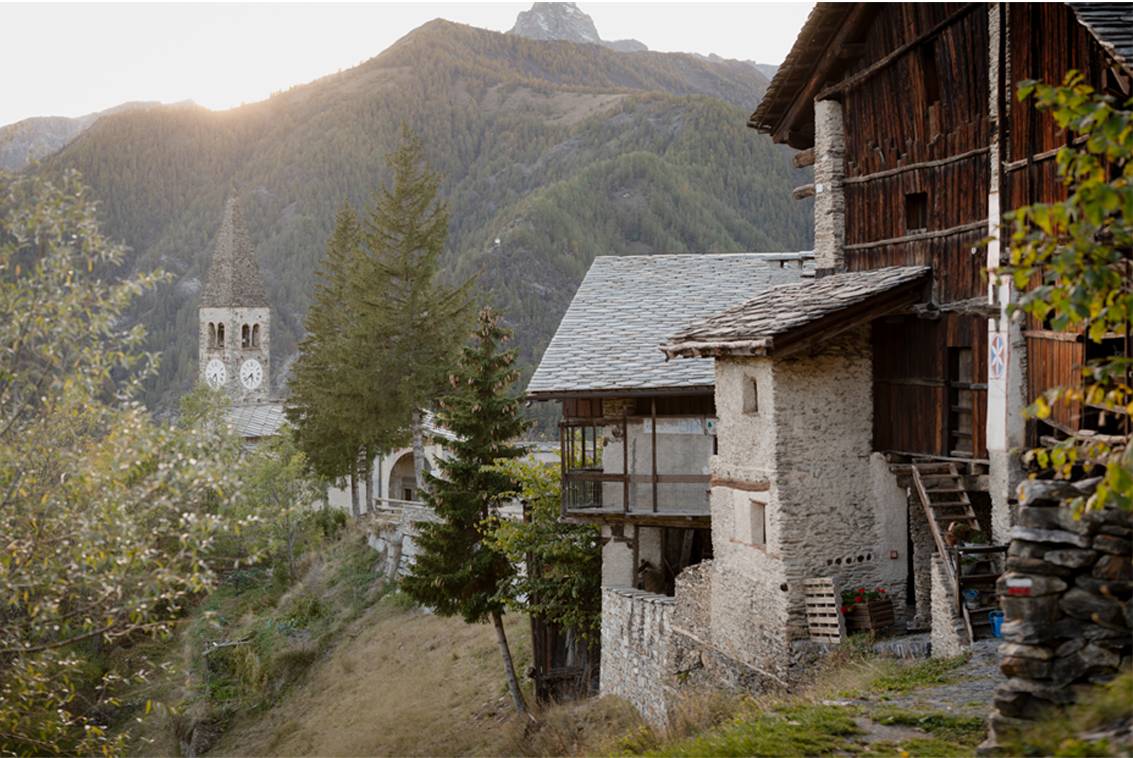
(996,619)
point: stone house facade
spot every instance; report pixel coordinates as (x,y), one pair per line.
(638,433)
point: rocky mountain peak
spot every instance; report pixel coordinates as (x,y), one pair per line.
(564,21)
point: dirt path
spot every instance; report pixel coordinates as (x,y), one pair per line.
(403,683)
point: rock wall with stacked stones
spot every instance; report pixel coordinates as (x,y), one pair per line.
(1068,617)
(636,630)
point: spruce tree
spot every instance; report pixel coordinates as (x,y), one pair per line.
(410,324)
(323,397)
(458,571)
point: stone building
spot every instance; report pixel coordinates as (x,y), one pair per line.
(869,419)
(637,432)
(234,320)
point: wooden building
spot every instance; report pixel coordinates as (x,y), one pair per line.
(909,113)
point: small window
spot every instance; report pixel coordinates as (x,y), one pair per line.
(751,396)
(916,212)
(245,336)
(220,335)
(407,494)
(751,519)
(212,334)
(255,335)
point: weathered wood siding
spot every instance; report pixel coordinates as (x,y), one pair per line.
(928,105)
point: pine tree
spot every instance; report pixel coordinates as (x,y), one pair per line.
(458,571)
(410,324)
(322,393)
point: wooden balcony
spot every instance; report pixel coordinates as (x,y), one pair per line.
(664,484)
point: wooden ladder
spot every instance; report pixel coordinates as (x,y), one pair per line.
(940,488)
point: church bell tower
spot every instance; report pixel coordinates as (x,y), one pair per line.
(235,320)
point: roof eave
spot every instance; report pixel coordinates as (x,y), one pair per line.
(709,349)
(615,392)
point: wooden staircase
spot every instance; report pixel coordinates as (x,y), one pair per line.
(957,532)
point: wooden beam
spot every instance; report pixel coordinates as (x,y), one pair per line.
(863,178)
(830,58)
(736,484)
(804,158)
(803,192)
(918,236)
(882,62)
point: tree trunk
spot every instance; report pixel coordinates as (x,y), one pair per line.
(419,451)
(368,468)
(509,667)
(354,489)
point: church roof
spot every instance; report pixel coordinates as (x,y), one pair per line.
(233,279)
(256,421)
(783,319)
(606,343)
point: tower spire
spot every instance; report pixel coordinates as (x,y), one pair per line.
(234,278)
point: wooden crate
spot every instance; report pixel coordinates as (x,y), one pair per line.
(872,616)
(823,614)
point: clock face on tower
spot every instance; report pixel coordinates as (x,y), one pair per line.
(251,373)
(215,374)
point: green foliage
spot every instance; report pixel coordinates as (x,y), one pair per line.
(920,674)
(323,396)
(560,151)
(408,324)
(563,581)
(1071,261)
(790,730)
(108,520)
(458,571)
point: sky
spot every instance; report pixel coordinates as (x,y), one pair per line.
(74,59)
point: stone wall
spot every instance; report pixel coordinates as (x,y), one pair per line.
(829,198)
(392,533)
(1068,617)
(636,631)
(949,635)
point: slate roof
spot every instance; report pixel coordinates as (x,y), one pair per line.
(266,419)
(255,421)
(765,322)
(1112,26)
(607,341)
(233,279)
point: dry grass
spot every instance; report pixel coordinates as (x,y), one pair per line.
(400,682)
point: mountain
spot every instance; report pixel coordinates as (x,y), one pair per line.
(552,153)
(564,21)
(33,138)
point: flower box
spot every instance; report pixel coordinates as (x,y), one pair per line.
(867,610)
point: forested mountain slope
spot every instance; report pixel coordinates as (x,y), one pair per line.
(552,153)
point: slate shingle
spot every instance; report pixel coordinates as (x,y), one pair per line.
(782,309)
(627,305)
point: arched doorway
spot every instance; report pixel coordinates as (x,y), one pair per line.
(402,479)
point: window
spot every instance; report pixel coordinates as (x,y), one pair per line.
(407,493)
(245,336)
(751,396)
(220,335)
(751,519)
(916,212)
(255,335)
(212,334)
